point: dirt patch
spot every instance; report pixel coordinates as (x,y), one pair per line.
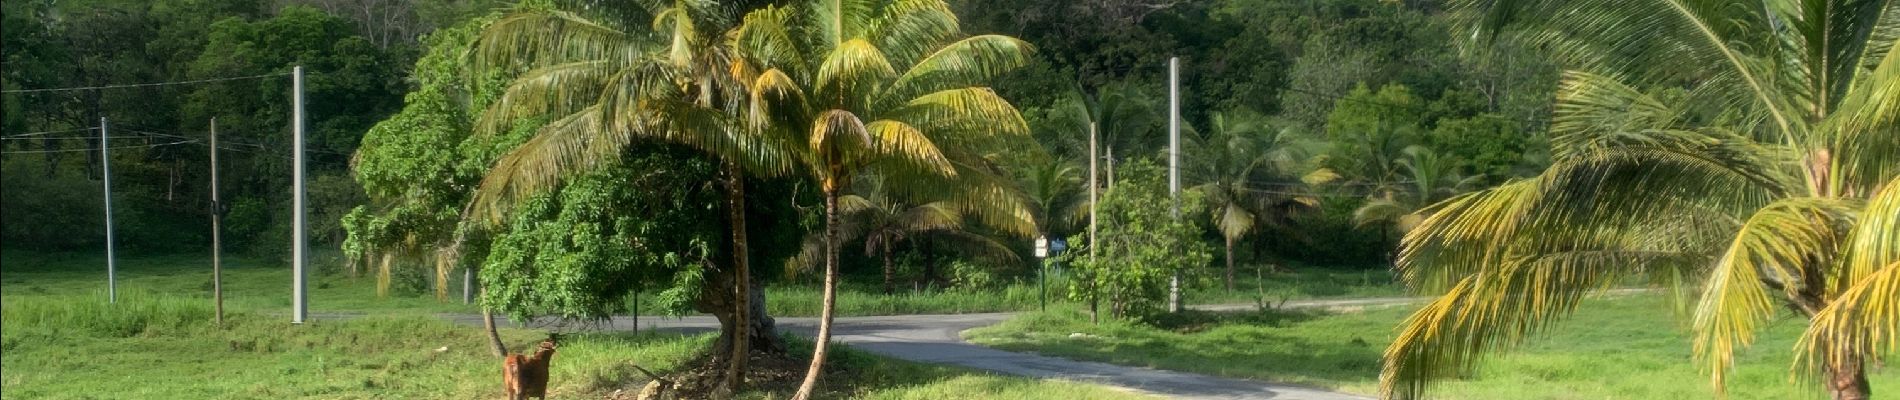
(778,373)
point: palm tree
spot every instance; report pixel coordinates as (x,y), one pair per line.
(609,88)
(1775,177)
(1124,115)
(885,86)
(882,221)
(1058,199)
(1238,163)
(1431,178)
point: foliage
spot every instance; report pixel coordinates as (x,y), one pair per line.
(1621,347)
(1764,179)
(1140,244)
(577,252)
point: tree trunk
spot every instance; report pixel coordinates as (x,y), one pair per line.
(1848,381)
(717,298)
(1230,264)
(830,297)
(890,271)
(494,338)
(735,197)
(930,266)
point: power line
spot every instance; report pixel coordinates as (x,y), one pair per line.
(151,84)
(51,132)
(73,137)
(96,149)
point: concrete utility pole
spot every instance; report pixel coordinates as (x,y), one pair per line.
(105,166)
(217,245)
(1093,159)
(1174,166)
(299,299)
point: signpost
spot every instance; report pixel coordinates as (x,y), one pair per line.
(1042,271)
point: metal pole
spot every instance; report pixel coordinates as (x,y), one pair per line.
(1042,284)
(217,245)
(1174,166)
(299,300)
(105,166)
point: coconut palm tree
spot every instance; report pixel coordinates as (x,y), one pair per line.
(1431,178)
(1057,197)
(887,86)
(1248,172)
(1774,178)
(609,88)
(1127,118)
(883,220)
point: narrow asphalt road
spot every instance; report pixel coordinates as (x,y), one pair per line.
(937,339)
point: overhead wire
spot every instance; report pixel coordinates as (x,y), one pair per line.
(150,84)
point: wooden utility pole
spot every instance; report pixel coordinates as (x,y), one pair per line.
(217,245)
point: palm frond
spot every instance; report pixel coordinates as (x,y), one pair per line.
(1771,247)
(533,38)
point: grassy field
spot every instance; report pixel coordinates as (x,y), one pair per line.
(156,346)
(262,287)
(1631,347)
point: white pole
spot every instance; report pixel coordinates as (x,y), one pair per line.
(1092,187)
(1174,166)
(299,300)
(105,166)
(217,245)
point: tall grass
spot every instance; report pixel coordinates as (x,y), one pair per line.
(137,312)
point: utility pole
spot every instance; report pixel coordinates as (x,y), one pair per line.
(299,299)
(217,245)
(1093,158)
(105,166)
(1174,166)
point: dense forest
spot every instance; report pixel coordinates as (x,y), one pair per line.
(1315,129)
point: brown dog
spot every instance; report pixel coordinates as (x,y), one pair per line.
(526,377)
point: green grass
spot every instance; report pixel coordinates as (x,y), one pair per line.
(1631,347)
(156,346)
(262,286)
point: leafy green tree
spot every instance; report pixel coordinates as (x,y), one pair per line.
(580,250)
(1249,173)
(1774,177)
(1369,131)
(891,88)
(1488,144)
(1140,244)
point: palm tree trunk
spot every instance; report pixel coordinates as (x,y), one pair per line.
(741,304)
(890,271)
(1848,381)
(1230,264)
(494,338)
(830,297)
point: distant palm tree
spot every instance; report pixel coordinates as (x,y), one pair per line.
(1250,173)
(1058,199)
(1431,178)
(1127,119)
(610,88)
(1774,178)
(888,87)
(882,221)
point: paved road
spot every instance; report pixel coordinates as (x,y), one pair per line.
(937,339)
